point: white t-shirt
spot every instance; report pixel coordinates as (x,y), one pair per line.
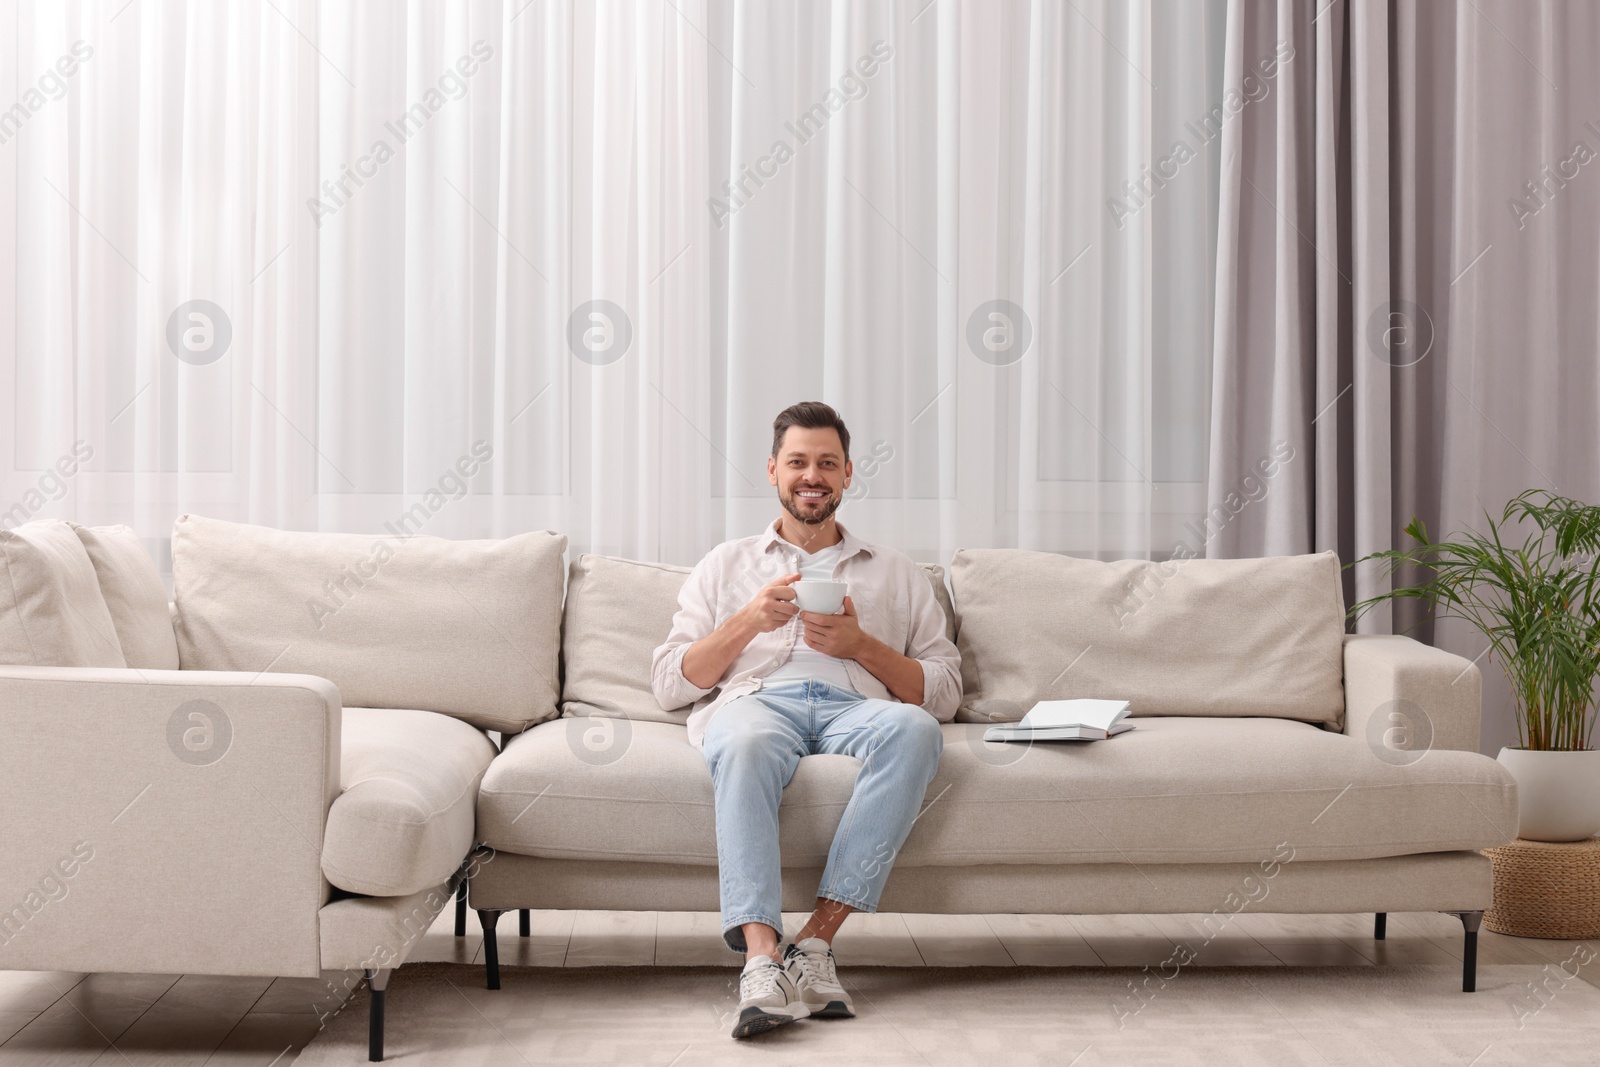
(804,661)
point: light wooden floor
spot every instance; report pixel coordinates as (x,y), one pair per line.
(60,1018)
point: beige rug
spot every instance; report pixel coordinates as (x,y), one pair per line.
(440,1014)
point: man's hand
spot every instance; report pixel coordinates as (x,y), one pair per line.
(836,635)
(772,606)
(708,659)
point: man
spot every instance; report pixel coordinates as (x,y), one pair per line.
(771,683)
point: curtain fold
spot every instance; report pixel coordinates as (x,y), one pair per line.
(1301,448)
(1518,310)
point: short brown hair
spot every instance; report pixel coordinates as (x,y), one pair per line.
(811,415)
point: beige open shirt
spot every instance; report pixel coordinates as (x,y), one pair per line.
(893,599)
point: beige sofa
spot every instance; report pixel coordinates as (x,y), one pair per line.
(300,796)
(293,768)
(1277,764)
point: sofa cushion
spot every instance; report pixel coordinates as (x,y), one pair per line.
(403,820)
(466,628)
(1173,790)
(617,612)
(52,613)
(1207,637)
(134,595)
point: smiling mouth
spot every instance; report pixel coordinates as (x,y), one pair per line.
(812,494)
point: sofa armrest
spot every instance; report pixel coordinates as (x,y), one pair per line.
(1426,697)
(164,821)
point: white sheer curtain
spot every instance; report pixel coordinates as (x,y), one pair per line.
(402,216)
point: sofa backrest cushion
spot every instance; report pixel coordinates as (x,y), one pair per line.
(1212,637)
(618,611)
(465,628)
(52,613)
(134,595)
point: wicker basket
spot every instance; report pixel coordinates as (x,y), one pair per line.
(1546,889)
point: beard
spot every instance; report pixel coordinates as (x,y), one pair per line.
(817,515)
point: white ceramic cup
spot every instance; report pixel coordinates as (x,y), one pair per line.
(820,596)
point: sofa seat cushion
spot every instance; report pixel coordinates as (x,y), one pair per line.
(1174,790)
(403,820)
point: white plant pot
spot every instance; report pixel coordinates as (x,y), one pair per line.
(1558,793)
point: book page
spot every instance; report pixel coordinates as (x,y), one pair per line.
(1082,712)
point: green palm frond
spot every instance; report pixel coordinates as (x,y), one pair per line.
(1537,601)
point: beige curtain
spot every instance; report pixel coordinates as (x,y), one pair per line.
(1522,317)
(1299,400)
(1406,281)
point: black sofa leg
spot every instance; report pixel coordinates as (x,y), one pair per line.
(461,909)
(1470,921)
(377,983)
(1380,926)
(523,923)
(491,949)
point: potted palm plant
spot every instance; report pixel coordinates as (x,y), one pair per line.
(1537,600)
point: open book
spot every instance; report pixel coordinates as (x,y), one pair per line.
(1065,720)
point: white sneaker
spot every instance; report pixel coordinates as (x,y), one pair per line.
(810,965)
(768,998)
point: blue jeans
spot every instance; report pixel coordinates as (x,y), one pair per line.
(753,745)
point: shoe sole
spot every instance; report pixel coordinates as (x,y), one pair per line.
(755,1021)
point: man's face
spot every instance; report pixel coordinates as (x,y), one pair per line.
(810,472)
